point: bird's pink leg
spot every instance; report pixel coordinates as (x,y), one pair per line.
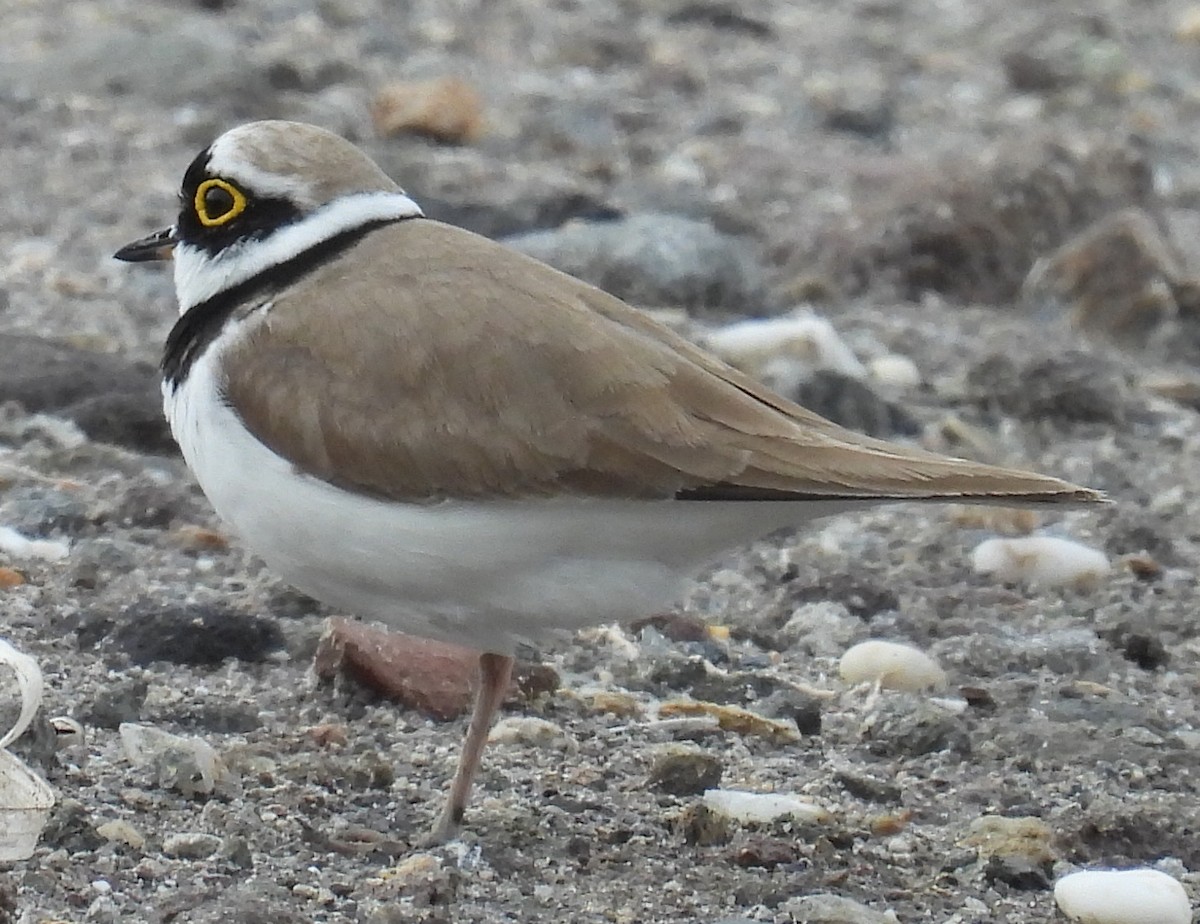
(495,675)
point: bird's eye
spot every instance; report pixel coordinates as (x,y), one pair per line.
(218,202)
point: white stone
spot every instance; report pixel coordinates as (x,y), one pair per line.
(895,371)
(1131,896)
(893,665)
(529,730)
(190,765)
(18,546)
(760,808)
(1045,560)
(803,338)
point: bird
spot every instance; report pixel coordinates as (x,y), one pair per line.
(422,427)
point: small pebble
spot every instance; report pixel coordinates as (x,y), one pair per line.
(191,845)
(762,808)
(526,729)
(826,908)
(122,832)
(892,665)
(999,836)
(1131,896)
(1048,561)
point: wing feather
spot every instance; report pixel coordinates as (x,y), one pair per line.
(458,368)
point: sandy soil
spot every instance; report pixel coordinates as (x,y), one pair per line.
(901,166)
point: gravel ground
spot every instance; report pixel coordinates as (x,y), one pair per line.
(901,166)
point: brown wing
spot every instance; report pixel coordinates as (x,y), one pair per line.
(458,368)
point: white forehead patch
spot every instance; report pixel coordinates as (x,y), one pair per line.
(226,160)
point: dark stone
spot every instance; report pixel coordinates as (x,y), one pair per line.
(1146,651)
(702,827)
(197,634)
(654,259)
(860,597)
(110,398)
(801,708)
(535,679)
(1137,643)
(1018,872)
(70,827)
(216,717)
(677,673)
(868,788)
(907,726)
(685,771)
(120,701)
(1070,387)
(723,16)
(765,852)
(852,403)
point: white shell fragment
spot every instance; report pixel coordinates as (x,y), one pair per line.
(18,546)
(893,665)
(761,808)
(1131,896)
(804,338)
(895,371)
(188,765)
(1049,561)
(25,798)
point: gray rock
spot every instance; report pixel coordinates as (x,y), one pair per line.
(110,398)
(908,726)
(1075,386)
(854,404)
(685,771)
(1069,651)
(654,260)
(825,908)
(120,701)
(43,509)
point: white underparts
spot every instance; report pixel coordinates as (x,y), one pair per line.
(478,573)
(200,275)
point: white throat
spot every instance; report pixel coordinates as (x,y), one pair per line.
(200,275)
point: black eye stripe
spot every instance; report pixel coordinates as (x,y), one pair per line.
(261,216)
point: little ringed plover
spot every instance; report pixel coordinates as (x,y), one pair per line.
(417,425)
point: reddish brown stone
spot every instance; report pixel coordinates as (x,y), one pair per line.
(446,109)
(432,677)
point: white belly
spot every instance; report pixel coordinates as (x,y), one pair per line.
(477,573)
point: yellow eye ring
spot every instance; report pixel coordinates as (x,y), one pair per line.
(233,202)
